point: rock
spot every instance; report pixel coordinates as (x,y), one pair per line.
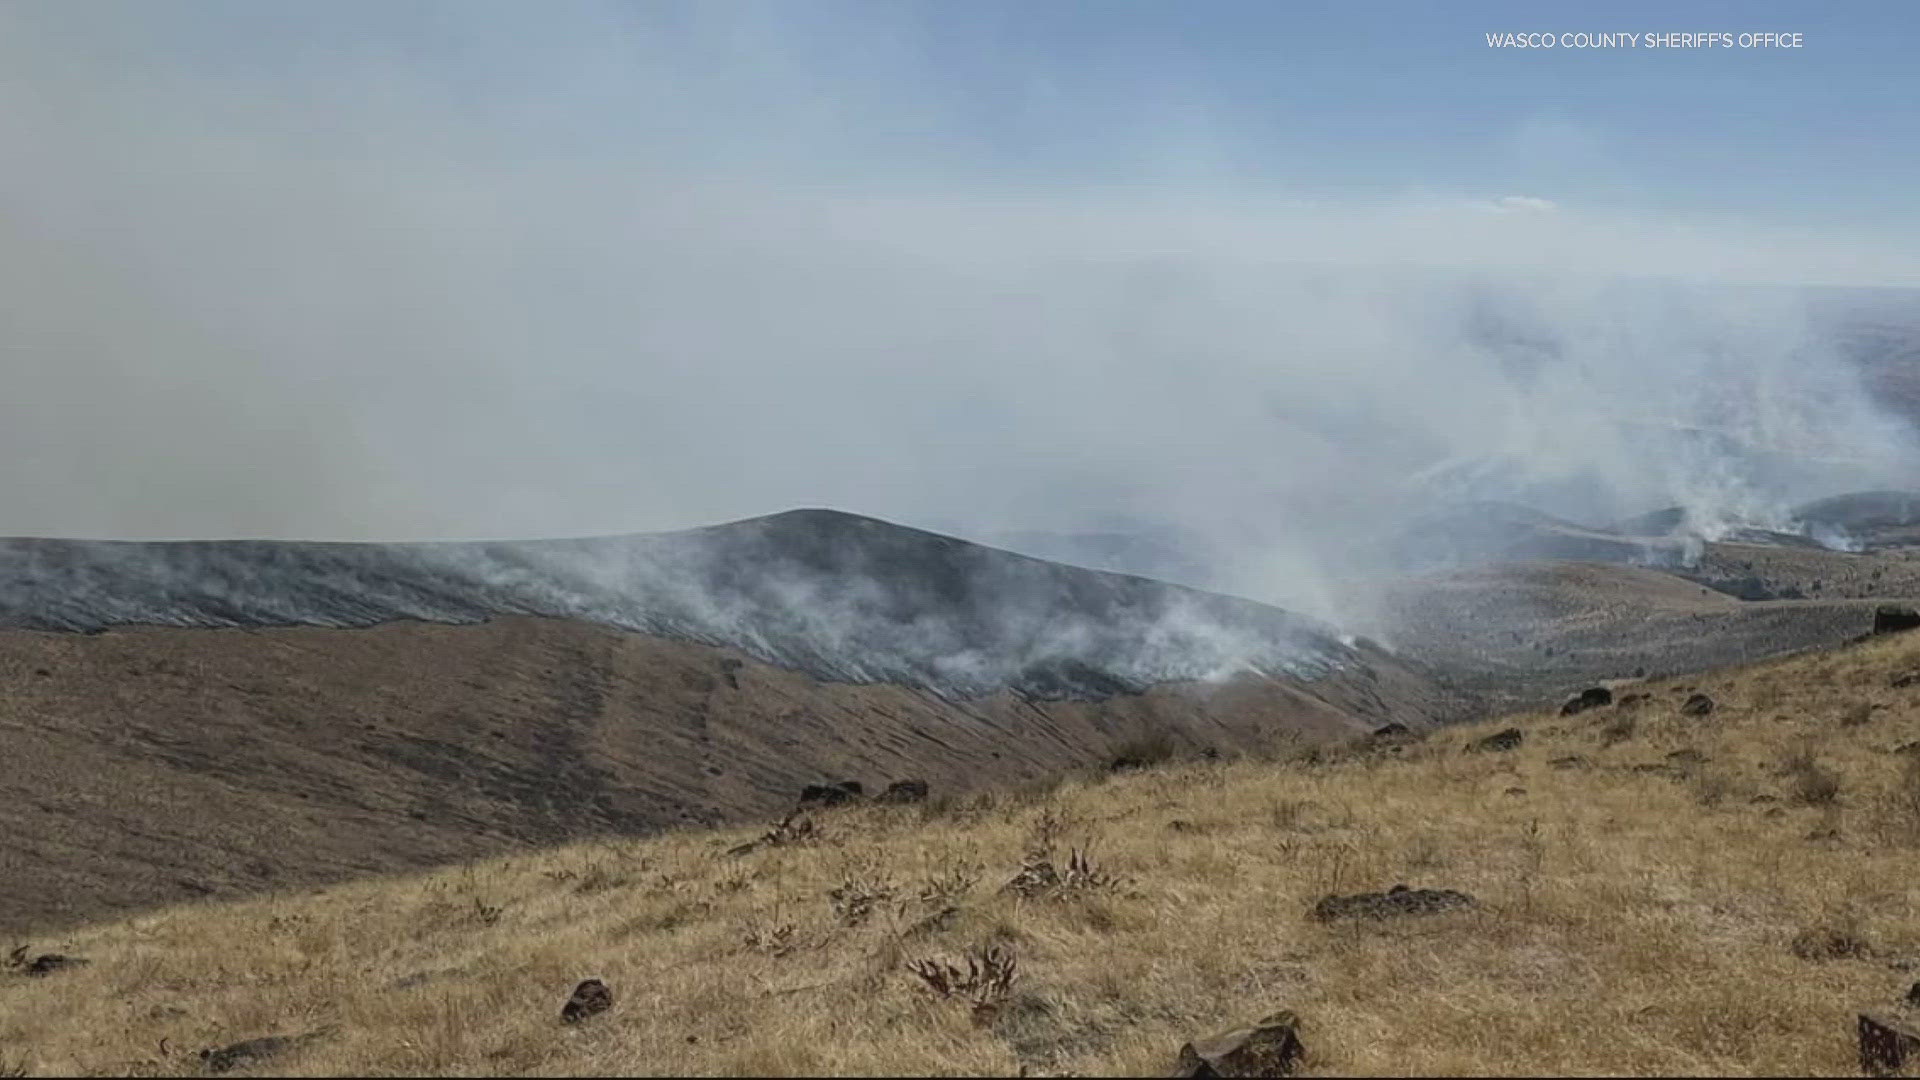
(1894,618)
(1909,748)
(1886,1046)
(590,998)
(1498,741)
(1269,1048)
(904,791)
(1571,761)
(1697,705)
(1593,697)
(1913,995)
(835,794)
(1390,733)
(1398,900)
(1904,680)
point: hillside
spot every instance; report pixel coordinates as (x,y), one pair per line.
(1653,893)
(147,765)
(842,597)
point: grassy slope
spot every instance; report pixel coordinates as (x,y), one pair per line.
(1632,921)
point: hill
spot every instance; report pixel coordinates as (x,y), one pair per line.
(316,712)
(1650,890)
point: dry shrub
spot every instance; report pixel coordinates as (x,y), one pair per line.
(1906,800)
(1840,942)
(1618,729)
(950,882)
(1812,783)
(1145,751)
(863,887)
(985,983)
(1856,714)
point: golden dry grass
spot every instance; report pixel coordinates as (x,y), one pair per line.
(1666,905)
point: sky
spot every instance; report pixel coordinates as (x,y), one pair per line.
(451,270)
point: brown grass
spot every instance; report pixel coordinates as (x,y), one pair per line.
(1693,898)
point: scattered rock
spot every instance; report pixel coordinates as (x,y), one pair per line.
(1571,761)
(1390,735)
(1886,1046)
(1269,1048)
(1894,618)
(1697,705)
(1498,741)
(1593,697)
(590,998)
(835,794)
(904,791)
(1904,679)
(1398,900)
(1516,791)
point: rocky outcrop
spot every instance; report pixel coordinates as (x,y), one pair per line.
(1399,900)
(1593,697)
(590,998)
(1271,1047)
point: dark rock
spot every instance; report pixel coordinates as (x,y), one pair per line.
(835,794)
(1904,680)
(1894,618)
(1398,900)
(904,791)
(1697,705)
(590,998)
(1886,1046)
(1269,1048)
(1395,732)
(1498,741)
(1912,748)
(1571,761)
(1593,697)
(1913,995)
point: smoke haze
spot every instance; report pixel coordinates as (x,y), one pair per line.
(600,270)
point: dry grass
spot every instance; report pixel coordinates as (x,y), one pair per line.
(1710,895)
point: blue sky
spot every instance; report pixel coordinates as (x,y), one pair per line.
(1314,98)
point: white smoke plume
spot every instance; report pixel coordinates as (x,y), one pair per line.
(393,273)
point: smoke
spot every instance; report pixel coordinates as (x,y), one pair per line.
(439,272)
